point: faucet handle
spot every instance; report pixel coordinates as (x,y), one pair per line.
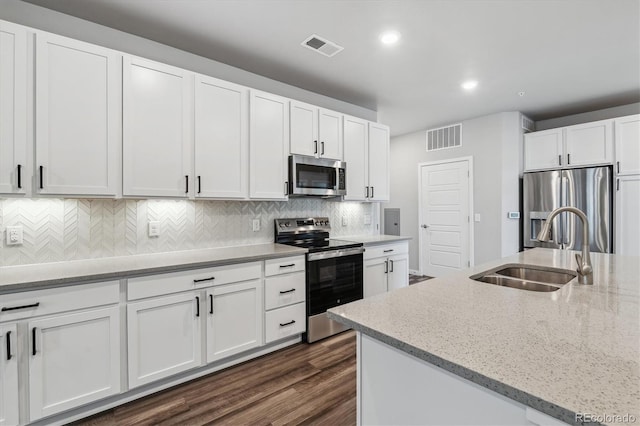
(583,269)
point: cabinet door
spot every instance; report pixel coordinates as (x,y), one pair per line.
(627,214)
(378,162)
(330,134)
(221,139)
(8,375)
(13,109)
(627,131)
(74,359)
(163,337)
(589,144)
(304,129)
(156,129)
(375,276)
(543,150)
(268,146)
(77,117)
(398,272)
(234,319)
(356,142)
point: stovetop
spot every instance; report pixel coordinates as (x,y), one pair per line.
(311,233)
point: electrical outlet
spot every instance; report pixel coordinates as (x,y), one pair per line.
(154,228)
(256,225)
(344,221)
(14,235)
(477,217)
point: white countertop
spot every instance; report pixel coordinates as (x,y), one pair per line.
(368,240)
(575,350)
(26,277)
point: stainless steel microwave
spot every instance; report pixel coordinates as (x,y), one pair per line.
(317,176)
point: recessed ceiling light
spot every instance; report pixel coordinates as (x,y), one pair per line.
(389,37)
(469,85)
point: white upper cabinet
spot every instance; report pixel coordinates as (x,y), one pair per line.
(356,143)
(157,124)
(589,144)
(13,109)
(221,139)
(543,150)
(77,117)
(268,146)
(378,162)
(627,131)
(315,131)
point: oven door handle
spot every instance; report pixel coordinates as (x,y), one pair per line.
(312,257)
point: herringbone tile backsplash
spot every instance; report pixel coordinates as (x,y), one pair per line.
(69,229)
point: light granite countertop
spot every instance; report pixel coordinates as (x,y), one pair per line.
(27,277)
(369,240)
(575,350)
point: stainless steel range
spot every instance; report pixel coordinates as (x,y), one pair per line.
(334,271)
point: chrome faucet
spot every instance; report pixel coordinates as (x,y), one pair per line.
(585,270)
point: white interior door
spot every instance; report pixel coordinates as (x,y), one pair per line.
(444,217)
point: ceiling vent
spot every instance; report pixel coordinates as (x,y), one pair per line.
(322,45)
(444,137)
(528,125)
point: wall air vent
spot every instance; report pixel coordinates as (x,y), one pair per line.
(321,45)
(528,125)
(444,137)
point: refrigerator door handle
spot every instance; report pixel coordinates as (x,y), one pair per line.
(565,216)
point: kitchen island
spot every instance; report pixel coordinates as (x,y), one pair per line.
(457,351)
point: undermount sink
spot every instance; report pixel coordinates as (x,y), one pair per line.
(526,277)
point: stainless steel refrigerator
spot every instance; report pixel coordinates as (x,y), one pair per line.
(589,189)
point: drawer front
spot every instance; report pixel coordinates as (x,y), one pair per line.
(284,322)
(371,252)
(283,265)
(27,304)
(284,290)
(176,282)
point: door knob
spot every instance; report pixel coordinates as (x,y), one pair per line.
(425,226)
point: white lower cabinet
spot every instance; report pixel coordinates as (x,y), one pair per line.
(234,319)
(8,375)
(284,322)
(163,336)
(284,298)
(386,268)
(375,277)
(627,213)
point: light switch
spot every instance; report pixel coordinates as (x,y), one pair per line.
(154,228)
(344,221)
(14,235)
(256,225)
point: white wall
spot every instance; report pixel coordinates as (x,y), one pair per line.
(601,114)
(48,20)
(495,143)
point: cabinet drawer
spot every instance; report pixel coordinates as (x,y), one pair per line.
(283,265)
(175,282)
(284,322)
(372,252)
(44,302)
(284,290)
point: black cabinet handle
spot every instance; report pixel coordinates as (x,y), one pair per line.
(287,323)
(33,341)
(372,192)
(41,177)
(388,251)
(211,302)
(204,279)
(15,308)
(186,188)
(9,356)
(288,291)
(617,184)
(288,266)
(568,159)
(366,192)
(559,160)
(322,148)
(20,174)
(618,163)
(386,266)
(199,185)
(391,268)
(286,188)
(315,147)
(197,306)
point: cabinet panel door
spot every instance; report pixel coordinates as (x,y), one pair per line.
(398,272)
(234,319)
(330,134)
(543,150)
(74,359)
(590,143)
(378,162)
(375,277)
(13,109)
(221,139)
(268,146)
(156,129)
(163,337)
(304,129)
(9,412)
(77,117)
(356,142)
(627,214)
(628,145)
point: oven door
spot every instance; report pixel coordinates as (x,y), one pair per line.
(316,176)
(333,280)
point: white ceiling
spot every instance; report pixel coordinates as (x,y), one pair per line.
(569,56)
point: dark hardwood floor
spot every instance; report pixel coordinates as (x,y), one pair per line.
(302,384)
